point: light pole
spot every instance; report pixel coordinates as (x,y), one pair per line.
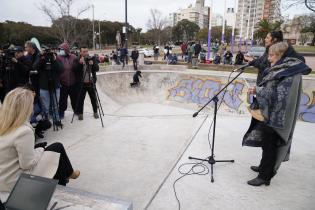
(242,23)
(248,21)
(99,34)
(223,25)
(209,32)
(126,25)
(93,28)
(233,30)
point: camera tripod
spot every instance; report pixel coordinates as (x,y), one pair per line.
(95,92)
(54,104)
(211,160)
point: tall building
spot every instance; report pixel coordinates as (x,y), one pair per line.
(250,12)
(230,17)
(216,20)
(198,14)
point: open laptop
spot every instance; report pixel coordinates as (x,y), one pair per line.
(31,193)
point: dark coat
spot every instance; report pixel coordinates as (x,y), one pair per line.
(278,97)
(20,73)
(49,79)
(262,62)
(136,77)
(79,69)
(134,54)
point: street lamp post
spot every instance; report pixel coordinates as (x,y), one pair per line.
(209,32)
(93,28)
(126,25)
(99,34)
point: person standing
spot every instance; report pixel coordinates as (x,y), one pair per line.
(134,57)
(68,80)
(49,84)
(87,68)
(278,99)
(261,64)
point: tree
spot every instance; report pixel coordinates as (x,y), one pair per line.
(310,29)
(156,24)
(265,27)
(18,32)
(64,23)
(309,4)
(185,30)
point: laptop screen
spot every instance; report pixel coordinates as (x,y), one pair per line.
(31,193)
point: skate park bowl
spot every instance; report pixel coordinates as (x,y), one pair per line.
(149,132)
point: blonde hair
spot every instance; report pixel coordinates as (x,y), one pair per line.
(279,48)
(15,110)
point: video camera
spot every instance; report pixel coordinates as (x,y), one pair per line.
(89,58)
(6,58)
(48,57)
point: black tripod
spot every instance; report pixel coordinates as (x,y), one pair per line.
(215,99)
(54,104)
(98,101)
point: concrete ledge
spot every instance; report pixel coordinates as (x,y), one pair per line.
(144,67)
(76,199)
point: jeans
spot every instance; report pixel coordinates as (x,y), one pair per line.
(49,107)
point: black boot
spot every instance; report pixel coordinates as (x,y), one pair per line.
(255,168)
(258,181)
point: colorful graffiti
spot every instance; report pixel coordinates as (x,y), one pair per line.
(198,91)
(201,91)
(307,108)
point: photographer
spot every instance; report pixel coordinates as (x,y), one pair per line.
(21,68)
(14,69)
(49,84)
(87,68)
(33,55)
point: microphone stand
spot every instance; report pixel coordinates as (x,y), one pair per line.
(215,99)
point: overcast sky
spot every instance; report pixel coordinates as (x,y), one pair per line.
(138,10)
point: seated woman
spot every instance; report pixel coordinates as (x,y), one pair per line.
(17,153)
(278,99)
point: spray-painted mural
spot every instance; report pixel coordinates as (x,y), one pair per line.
(200,91)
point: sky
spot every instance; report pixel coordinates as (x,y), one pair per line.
(113,10)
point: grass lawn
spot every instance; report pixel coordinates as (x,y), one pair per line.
(305,48)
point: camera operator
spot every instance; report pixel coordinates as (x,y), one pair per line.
(21,69)
(33,55)
(87,68)
(49,84)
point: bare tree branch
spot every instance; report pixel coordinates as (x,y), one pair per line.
(59,12)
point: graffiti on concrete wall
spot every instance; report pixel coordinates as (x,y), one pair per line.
(198,91)
(307,107)
(201,91)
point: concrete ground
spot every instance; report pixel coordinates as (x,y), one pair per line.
(145,139)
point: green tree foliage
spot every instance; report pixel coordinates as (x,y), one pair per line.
(18,32)
(264,27)
(310,29)
(185,30)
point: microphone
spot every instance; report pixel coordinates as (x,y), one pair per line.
(243,67)
(195,114)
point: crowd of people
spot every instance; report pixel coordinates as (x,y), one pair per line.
(35,87)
